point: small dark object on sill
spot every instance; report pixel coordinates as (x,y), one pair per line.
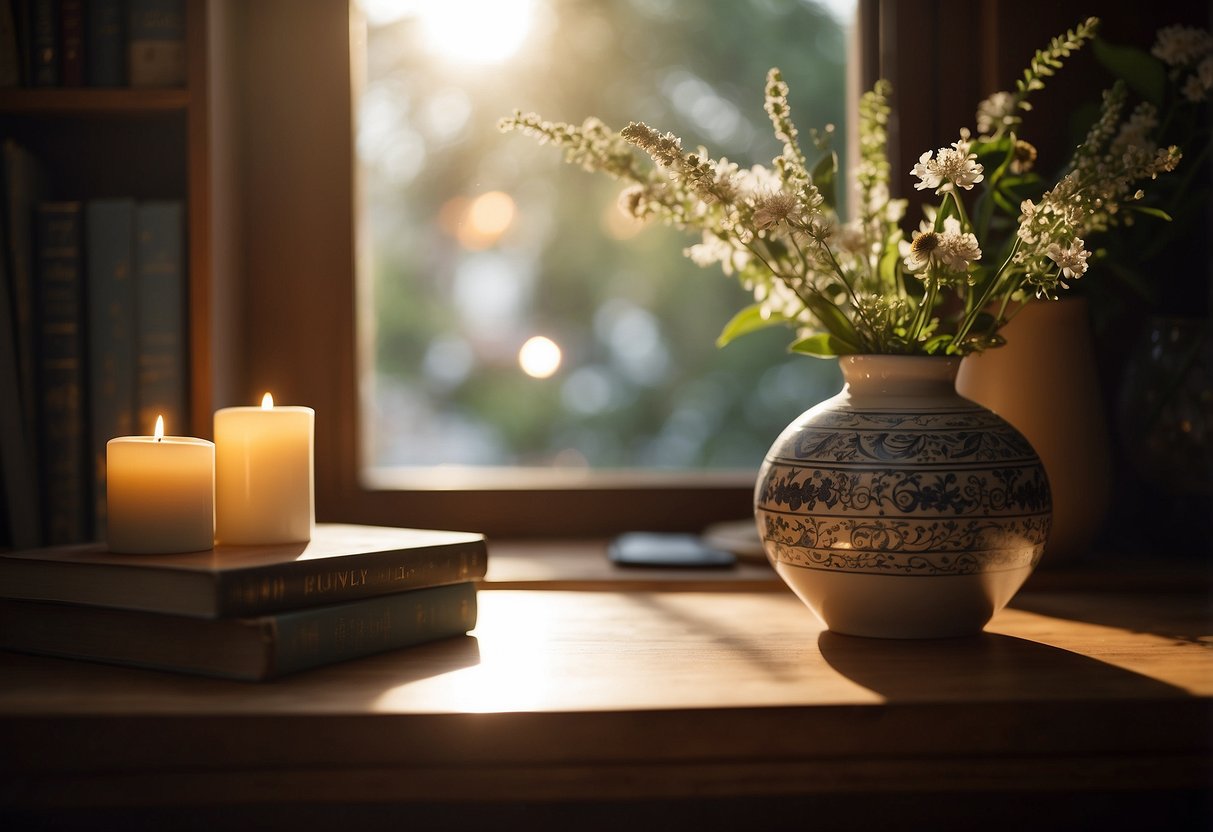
(665,549)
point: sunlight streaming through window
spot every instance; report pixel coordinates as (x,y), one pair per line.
(479,241)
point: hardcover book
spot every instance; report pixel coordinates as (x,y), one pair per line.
(156,47)
(60,373)
(160,285)
(105,43)
(71,43)
(340,563)
(109,255)
(250,649)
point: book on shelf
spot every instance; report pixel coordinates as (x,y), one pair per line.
(60,372)
(156,43)
(71,43)
(340,563)
(43,28)
(18,463)
(105,43)
(251,649)
(24,183)
(10,46)
(160,330)
(109,254)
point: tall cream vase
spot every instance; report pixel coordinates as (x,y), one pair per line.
(1044,381)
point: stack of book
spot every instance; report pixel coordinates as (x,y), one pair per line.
(244,612)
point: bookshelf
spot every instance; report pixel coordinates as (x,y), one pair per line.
(146,143)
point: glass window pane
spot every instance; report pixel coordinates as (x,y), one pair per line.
(512,314)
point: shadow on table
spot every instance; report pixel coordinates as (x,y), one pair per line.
(1182,617)
(986,667)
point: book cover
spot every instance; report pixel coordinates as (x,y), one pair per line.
(156,43)
(17,480)
(105,43)
(71,43)
(18,472)
(10,46)
(340,563)
(23,180)
(250,649)
(109,255)
(160,340)
(44,43)
(60,306)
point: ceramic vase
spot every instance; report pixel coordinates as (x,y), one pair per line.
(1045,382)
(898,508)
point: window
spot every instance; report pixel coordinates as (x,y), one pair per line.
(514,315)
(292,124)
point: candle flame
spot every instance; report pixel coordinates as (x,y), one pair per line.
(159,428)
(267,402)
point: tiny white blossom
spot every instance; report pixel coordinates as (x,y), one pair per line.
(1194,89)
(952,166)
(958,250)
(714,250)
(1181,45)
(1071,260)
(996,113)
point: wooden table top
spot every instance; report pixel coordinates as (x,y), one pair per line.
(636,691)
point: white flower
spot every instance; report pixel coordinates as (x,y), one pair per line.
(996,113)
(851,237)
(957,249)
(1197,85)
(1181,45)
(1135,131)
(758,179)
(714,250)
(1072,260)
(920,252)
(954,166)
(951,249)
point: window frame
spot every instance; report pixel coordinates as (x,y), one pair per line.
(300,250)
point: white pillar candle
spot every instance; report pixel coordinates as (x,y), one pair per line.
(264,490)
(160,493)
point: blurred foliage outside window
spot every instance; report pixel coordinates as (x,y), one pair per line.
(513,315)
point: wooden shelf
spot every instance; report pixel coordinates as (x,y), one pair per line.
(1094,703)
(75,102)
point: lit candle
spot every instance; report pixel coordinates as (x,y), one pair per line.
(264,490)
(160,493)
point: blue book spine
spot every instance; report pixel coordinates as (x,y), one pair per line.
(105,43)
(109,254)
(160,339)
(65,485)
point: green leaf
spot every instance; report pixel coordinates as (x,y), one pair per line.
(821,345)
(835,321)
(1151,211)
(825,174)
(1143,72)
(888,266)
(938,344)
(744,322)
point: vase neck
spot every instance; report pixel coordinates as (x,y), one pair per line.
(899,376)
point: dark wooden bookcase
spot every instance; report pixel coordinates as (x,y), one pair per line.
(146,143)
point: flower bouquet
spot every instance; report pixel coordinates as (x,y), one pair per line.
(998,234)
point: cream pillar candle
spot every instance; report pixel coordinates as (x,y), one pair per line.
(160,493)
(264,491)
